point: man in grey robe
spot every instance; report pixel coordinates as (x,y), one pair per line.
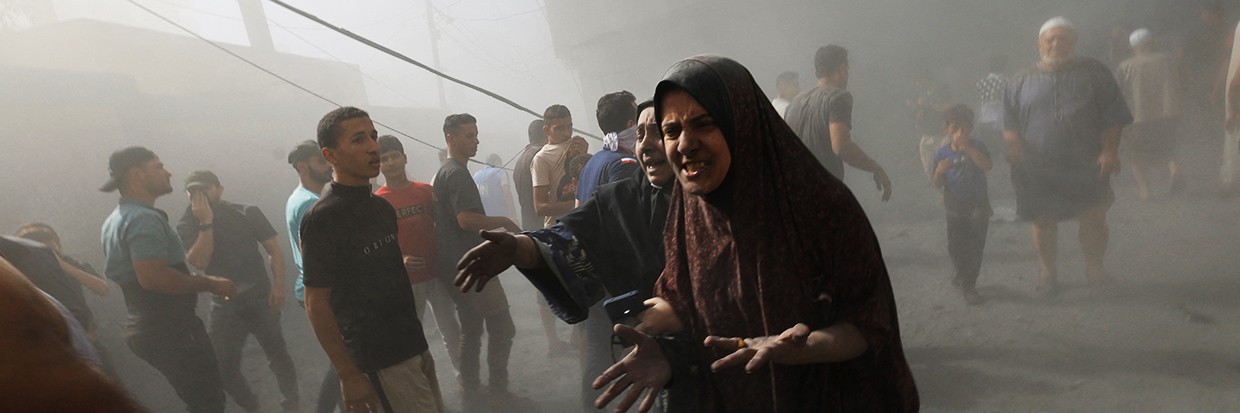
(1062,124)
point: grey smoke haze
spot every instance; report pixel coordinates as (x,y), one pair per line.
(94,76)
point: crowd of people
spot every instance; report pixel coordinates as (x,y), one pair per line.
(684,240)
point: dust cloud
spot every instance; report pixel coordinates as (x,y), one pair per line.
(82,78)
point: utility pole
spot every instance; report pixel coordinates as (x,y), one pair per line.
(256,29)
(430,23)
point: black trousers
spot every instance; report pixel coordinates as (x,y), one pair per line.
(232,322)
(183,354)
(966,241)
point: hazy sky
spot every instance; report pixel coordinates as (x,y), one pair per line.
(514,58)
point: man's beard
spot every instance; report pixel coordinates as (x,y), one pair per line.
(321,178)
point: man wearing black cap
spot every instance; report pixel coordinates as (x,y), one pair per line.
(222,238)
(145,257)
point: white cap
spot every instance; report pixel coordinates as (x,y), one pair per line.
(1139,37)
(1056,22)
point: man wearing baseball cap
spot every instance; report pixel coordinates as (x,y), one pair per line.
(145,257)
(222,238)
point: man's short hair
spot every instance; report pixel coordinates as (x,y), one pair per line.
(615,110)
(556,112)
(454,122)
(329,127)
(828,59)
(123,161)
(390,143)
(641,107)
(535,131)
(303,151)
(38,231)
(787,78)
(959,115)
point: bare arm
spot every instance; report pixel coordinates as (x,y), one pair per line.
(157,276)
(497,253)
(96,285)
(1108,161)
(848,151)
(275,260)
(327,330)
(840,342)
(797,345)
(40,362)
(940,170)
(199,254)
(1233,101)
(979,158)
(474,221)
(544,206)
(355,386)
(1016,148)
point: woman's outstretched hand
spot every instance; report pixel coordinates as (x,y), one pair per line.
(757,352)
(645,369)
(485,261)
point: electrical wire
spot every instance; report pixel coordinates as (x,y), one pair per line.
(277,76)
(421,65)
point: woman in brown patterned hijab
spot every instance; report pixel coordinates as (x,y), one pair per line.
(771,264)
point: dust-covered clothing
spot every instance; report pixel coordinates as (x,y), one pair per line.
(349,245)
(1060,116)
(811,114)
(547,170)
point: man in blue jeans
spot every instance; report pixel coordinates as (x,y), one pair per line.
(145,257)
(223,238)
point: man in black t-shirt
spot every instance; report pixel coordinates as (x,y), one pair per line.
(358,296)
(459,215)
(223,238)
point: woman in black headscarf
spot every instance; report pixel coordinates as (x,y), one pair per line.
(771,264)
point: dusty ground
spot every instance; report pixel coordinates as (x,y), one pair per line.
(1163,338)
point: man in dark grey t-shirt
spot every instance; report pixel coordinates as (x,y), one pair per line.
(822,118)
(459,215)
(223,238)
(1062,122)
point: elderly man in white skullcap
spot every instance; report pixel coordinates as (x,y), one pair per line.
(1149,81)
(1062,124)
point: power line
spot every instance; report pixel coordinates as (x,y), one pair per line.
(276,75)
(406,59)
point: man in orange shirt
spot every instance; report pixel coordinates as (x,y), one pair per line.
(413,202)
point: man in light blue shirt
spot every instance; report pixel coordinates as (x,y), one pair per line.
(146,258)
(313,172)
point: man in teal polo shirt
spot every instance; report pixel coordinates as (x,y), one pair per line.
(145,257)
